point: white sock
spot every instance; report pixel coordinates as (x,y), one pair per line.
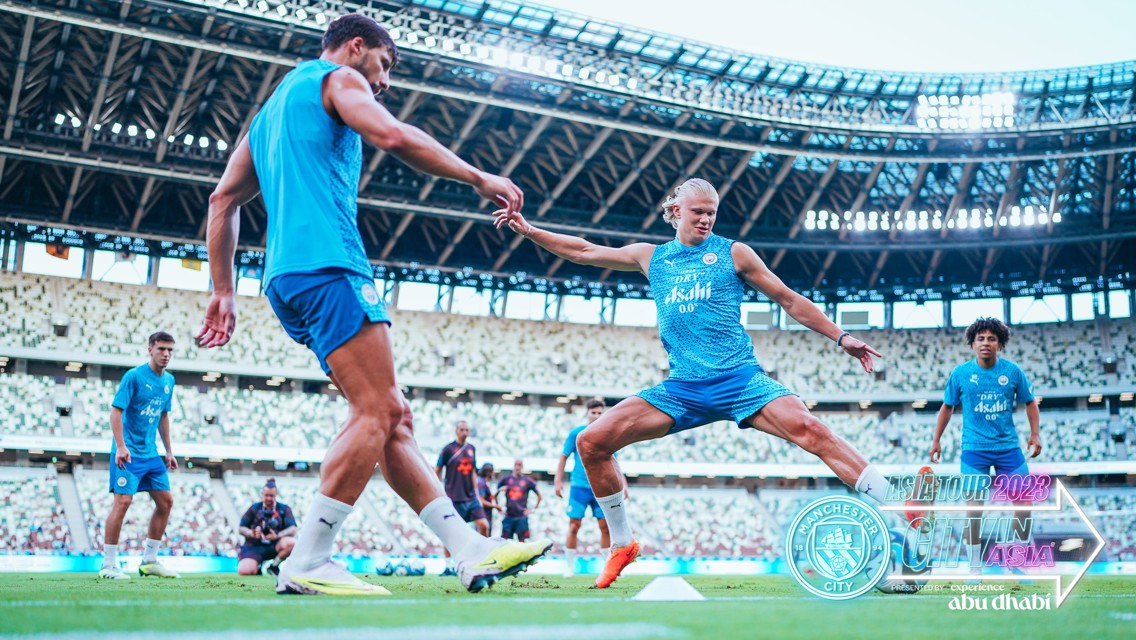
(616,515)
(873,484)
(445,522)
(974,554)
(569,560)
(316,539)
(110,555)
(150,550)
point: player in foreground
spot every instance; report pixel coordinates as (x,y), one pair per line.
(141,409)
(269,528)
(988,388)
(580,495)
(698,279)
(304,152)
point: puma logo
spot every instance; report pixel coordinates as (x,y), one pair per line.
(616,506)
(669,263)
(449,515)
(329,524)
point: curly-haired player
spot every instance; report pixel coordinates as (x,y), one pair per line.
(988,388)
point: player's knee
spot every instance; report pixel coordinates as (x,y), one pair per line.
(404,426)
(591,447)
(285,545)
(122,501)
(246,568)
(815,437)
(163,503)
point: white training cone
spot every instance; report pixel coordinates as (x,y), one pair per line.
(668,589)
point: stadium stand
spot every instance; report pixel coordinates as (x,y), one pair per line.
(31,515)
(104,318)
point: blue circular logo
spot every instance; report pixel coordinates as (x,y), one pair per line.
(838,547)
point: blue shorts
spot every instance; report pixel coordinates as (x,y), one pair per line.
(140,474)
(471,510)
(518,525)
(579,499)
(1010,462)
(735,395)
(324,309)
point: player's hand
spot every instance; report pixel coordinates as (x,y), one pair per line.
(1034,446)
(271,537)
(220,321)
(860,350)
(501,191)
(121,457)
(936,451)
(514,219)
(558,488)
(171,463)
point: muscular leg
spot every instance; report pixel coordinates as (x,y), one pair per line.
(114,520)
(482,526)
(364,370)
(163,502)
(632,420)
(786,417)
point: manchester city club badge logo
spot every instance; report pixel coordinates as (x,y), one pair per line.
(710,258)
(370,294)
(837,547)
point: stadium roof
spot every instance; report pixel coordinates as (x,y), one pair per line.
(117,116)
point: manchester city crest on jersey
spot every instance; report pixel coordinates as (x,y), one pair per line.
(370,294)
(166,389)
(710,258)
(121,482)
(838,547)
(1003,380)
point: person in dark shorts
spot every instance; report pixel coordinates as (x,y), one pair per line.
(269,529)
(458,460)
(517,487)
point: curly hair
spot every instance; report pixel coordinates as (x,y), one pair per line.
(993,325)
(691,186)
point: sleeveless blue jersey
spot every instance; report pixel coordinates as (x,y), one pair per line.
(308,166)
(698,297)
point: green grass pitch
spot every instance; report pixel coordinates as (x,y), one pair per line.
(75,605)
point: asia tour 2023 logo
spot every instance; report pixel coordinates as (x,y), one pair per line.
(920,539)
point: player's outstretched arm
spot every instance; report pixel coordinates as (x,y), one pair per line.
(754,271)
(350,99)
(632,257)
(238,185)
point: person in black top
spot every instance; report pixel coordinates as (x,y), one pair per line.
(269,529)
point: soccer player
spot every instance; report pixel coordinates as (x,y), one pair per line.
(303,153)
(457,461)
(989,388)
(580,496)
(269,529)
(517,487)
(485,493)
(698,280)
(141,409)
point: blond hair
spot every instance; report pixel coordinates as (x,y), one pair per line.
(691,186)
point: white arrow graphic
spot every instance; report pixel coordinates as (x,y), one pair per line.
(1062,495)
